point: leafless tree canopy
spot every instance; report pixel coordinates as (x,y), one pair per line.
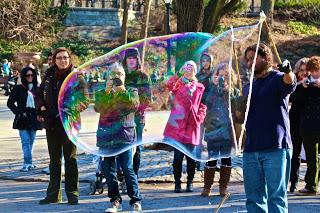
(25,20)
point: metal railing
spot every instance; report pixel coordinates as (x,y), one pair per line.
(97,3)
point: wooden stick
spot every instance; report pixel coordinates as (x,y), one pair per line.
(272,41)
(222,202)
(237,68)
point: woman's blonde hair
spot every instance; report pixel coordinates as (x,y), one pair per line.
(300,62)
(225,66)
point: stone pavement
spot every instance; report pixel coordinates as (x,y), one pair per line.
(155,167)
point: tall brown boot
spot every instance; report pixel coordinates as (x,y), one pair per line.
(225,174)
(208,181)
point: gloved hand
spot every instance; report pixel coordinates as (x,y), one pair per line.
(285,67)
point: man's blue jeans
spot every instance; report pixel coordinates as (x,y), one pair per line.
(266,175)
(27,139)
(125,160)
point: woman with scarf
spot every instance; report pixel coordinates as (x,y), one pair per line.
(183,127)
(22,103)
(57,139)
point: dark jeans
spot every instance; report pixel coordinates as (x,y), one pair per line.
(296,157)
(130,177)
(311,144)
(177,165)
(137,155)
(58,143)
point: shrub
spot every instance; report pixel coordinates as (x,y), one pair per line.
(304,29)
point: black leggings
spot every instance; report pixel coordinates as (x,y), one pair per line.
(224,162)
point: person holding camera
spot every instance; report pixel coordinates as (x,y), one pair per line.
(301,73)
(183,126)
(268,147)
(218,134)
(309,101)
(22,103)
(117,105)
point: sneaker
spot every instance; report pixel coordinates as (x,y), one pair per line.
(25,168)
(115,207)
(136,207)
(46,171)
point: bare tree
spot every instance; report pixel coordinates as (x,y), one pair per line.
(124,27)
(25,20)
(145,23)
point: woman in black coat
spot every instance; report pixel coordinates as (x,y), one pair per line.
(57,138)
(22,103)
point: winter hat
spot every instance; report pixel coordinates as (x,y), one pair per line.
(132,52)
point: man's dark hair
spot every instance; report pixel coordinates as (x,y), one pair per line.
(263,50)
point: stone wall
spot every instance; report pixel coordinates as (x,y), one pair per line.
(98,17)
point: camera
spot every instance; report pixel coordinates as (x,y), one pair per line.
(310,83)
(117,82)
(220,84)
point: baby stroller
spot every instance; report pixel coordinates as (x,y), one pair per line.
(100,182)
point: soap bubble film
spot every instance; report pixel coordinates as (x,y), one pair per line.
(148,81)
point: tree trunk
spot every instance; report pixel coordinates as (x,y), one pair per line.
(189,15)
(144,27)
(124,27)
(145,20)
(215,10)
(212,15)
(189,19)
(267,7)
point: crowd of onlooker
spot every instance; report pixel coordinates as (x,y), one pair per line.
(203,96)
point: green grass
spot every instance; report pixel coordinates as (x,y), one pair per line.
(302,28)
(297,3)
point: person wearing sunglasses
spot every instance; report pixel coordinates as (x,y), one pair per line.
(22,103)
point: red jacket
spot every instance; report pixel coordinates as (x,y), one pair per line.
(187,112)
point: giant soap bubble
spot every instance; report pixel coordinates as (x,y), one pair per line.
(104,128)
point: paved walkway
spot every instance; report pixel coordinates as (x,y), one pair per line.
(155,167)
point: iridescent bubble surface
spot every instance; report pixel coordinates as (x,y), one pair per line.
(163,96)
